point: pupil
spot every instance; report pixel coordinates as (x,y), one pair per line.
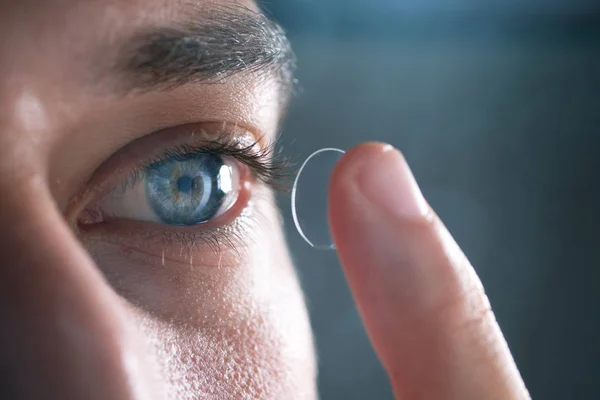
(184,184)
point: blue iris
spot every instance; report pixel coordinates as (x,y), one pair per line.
(185,190)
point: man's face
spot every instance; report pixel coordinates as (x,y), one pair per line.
(141,253)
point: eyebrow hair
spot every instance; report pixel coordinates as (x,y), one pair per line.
(207,48)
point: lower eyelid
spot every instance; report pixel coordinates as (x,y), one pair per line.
(161,244)
(202,254)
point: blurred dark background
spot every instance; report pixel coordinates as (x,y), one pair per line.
(496,106)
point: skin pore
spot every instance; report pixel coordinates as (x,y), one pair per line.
(121,308)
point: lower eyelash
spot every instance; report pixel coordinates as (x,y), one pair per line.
(182,245)
(235,236)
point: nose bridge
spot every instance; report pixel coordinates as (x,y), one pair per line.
(63,331)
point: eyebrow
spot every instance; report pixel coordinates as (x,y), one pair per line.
(207,48)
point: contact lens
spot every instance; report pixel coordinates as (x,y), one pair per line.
(310,198)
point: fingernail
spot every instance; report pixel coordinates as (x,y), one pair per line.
(388,183)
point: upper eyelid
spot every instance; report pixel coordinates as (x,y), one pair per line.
(259,161)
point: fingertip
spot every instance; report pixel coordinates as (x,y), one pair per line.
(357,157)
(347,206)
(381,177)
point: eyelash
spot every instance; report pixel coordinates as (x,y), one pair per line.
(266,164)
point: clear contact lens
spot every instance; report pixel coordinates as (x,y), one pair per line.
(310,198)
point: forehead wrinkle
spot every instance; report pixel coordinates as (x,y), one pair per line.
(205,47)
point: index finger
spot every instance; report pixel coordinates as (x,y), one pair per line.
(422,303)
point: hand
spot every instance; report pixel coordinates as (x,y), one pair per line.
(421,301)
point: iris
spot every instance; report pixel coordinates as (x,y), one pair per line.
(188,190)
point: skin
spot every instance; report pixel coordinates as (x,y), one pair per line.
(108,312)
(96,314)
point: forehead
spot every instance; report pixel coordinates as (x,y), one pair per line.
(76,33)
(116,14)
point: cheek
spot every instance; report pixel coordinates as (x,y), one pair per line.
(229,325)
(252,340)
(236,357)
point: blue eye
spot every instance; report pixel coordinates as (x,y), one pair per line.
(188,190)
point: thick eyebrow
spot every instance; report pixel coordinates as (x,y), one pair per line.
(205,49)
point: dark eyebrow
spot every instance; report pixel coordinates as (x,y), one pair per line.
(206,48)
